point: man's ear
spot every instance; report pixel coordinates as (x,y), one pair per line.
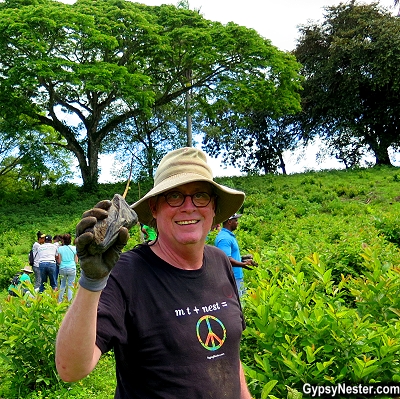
(153,206)
(215,200)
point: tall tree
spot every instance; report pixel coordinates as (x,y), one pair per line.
(351,64)
(249,120)
(89,68)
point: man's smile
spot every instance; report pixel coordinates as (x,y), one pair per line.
(184,222)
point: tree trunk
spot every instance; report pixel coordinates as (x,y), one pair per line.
(379,142)
(282,163)
(90,170)
(381,156)
(188,121)
(90,179)
(150,154)
(188,100)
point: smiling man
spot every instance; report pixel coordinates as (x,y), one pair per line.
(169,309)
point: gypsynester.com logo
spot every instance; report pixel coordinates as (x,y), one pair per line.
(343,390)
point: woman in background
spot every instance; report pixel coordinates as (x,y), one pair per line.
(67,259)
(35,248)
(58,240)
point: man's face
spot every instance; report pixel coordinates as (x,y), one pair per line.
(185,224)
(233,224)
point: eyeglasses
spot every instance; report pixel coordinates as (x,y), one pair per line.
(175,198)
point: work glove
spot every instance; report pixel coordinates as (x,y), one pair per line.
(101,235)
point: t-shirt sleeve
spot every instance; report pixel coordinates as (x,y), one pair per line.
(35,247)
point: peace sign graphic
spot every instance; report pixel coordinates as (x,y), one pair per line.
(212,341)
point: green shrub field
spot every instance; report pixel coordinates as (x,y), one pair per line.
(322,308)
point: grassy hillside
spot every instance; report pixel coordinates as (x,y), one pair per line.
(53,211)
(322,303)
(330,212)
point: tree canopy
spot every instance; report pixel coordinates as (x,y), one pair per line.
(93,69)
(26,159)
(247,121)
(351,64)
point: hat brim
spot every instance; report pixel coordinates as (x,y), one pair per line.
(229,200)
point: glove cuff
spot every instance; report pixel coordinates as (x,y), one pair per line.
(91,284)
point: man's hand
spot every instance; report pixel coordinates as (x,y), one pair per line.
(97,266)
(248,261)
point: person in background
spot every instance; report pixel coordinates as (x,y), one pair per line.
(216,227)
(149,233)
(35,249)
(169,309)
(68,259)
(47,263)
(226,240)
(23,280)
(58,241)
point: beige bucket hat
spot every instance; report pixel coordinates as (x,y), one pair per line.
(187,165)
(27,269)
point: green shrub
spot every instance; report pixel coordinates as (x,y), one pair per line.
(377,292)
(332,213)
(100,384)
(304,328)
(388,225)
(28,329)
(9,266)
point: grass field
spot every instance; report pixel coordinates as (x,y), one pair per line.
(286,219)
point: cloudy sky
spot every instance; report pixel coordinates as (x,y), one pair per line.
(276,20)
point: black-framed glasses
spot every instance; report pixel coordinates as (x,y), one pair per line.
(176,198)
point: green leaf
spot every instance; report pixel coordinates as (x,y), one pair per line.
(268,388)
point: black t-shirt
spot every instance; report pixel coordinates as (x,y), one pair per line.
(175,333)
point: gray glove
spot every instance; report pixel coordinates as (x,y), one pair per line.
(96,257)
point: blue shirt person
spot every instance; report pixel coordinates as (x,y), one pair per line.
(226,240)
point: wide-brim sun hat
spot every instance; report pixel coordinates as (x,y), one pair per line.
(187,165)
(27,269)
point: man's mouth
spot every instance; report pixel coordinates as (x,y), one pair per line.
(185,222)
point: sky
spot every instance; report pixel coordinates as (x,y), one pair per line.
(277,21)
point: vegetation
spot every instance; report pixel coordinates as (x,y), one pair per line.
(96,71)
(350,64)
(322,306)
(115,76)
(124,78)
